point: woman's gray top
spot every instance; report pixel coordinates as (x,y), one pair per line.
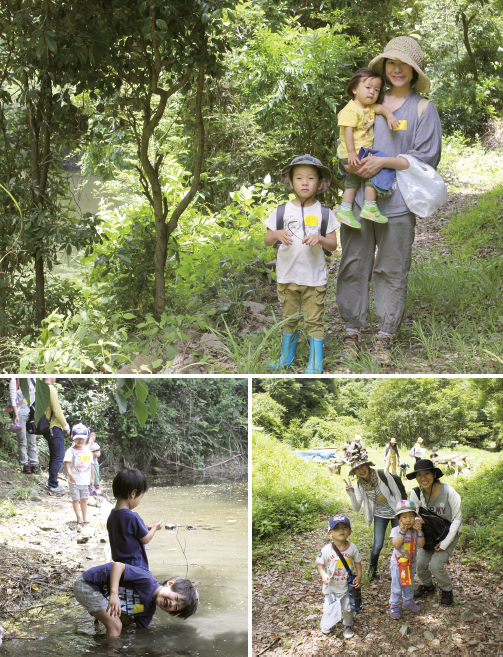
(423,141)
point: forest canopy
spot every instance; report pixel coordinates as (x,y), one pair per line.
(184,112)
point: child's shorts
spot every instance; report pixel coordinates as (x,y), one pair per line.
(79,492)
(353,181)
(89,598)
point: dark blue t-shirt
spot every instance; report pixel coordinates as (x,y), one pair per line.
(136,588)
(125,529)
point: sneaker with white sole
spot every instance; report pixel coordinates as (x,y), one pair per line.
(55,490)
(347,217)
(373,214)
(349,632)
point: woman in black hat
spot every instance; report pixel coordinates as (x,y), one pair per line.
(379,500)
(446,503)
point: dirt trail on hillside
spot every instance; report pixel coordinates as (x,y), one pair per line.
(288,604)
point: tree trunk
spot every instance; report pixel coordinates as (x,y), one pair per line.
(466,24)
(39,290)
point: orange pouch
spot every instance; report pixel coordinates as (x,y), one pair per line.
(404,570)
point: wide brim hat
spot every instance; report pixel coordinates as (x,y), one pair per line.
(313,162)
(95,447)
(420,440)
(407,50)
(358,438)
(392,440)
(357,463)
(424,464)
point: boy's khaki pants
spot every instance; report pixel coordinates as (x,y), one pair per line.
(312,300)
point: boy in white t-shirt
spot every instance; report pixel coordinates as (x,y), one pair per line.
(301,269)
(332,571)
(79,468)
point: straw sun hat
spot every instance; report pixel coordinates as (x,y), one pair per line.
(407,50)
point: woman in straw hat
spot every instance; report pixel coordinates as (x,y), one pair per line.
(417,451)
(391,456)
(383,251)
(445,502)
(379,502)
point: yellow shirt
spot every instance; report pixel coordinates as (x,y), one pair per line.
(362,121)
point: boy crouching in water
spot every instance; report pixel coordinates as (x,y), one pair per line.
(406,538)
(332,571)
(118,594)
(301,269)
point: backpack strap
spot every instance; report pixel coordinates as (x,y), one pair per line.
(324,220)
(421,107)
(280,213)
(382,477)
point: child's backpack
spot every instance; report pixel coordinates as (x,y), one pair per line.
(398,482)
(435,527)
(280,213)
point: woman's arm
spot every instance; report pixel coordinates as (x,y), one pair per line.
(455,503)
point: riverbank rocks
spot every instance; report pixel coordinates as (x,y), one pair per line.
(170,527)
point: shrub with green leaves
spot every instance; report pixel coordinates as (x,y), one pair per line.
(288,493)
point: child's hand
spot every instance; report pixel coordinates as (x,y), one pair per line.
(284,236)
(158,525)
(114,605)
(357,581)
(393,122)
(73,480)
(325,578)
(311,240)
(417,524)
(353,159)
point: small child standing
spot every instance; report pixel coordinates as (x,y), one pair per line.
(127,532)
(356,121)
(406,538)
(96,451)
(78,465)
(332,571)
(301,268)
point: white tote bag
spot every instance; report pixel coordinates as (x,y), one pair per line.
(422,188)
(332,612)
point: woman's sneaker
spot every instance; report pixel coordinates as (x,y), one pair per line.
(35,469)
(423,590)
(446,599)
(26,468)
(347,217)
(410,605)
(373,214)
(394,613)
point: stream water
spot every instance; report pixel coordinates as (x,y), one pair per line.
(216,550)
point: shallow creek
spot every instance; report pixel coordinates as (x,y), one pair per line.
(216,549)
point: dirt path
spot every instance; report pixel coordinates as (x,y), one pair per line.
(288,603)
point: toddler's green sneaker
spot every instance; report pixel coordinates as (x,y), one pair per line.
(372,213)
(347,217)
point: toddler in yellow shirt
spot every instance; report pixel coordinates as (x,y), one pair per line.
(356,122)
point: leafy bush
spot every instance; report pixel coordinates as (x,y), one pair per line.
(288,493)
(268,414)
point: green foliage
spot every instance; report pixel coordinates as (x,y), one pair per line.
(268,414)
(7,509)
(301,397)
(137,391)
(479,227)
(482,518)
(288,493)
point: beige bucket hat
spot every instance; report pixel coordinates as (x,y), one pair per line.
(407,50)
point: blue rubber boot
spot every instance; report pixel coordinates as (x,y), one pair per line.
(288,350)
(315,365)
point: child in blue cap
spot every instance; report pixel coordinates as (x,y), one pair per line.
(332,571)
(303,228)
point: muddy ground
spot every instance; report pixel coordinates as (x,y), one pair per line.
(43,548)
(288,604)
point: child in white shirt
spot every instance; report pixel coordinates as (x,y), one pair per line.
(301,268)
(332,571)
(79,468)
